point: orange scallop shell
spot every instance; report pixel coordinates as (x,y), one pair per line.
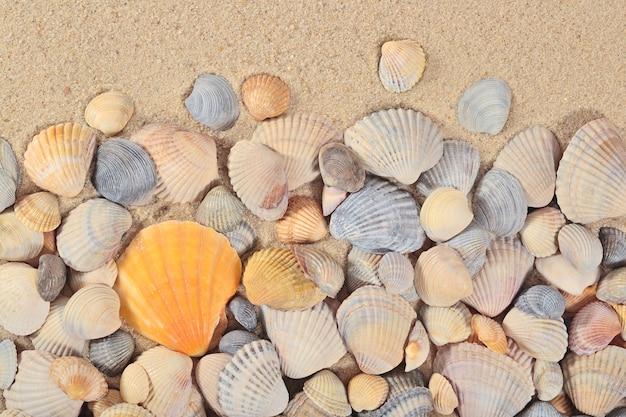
(174,281)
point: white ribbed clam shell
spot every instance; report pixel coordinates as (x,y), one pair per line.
(326,390)
(484,106)
(445,399)
(401,65)
(213,102)
(92,312)
(52,336)
(548,379)
(540,231)
(78,378)
(362,269)
(367,392)
(396,273)
(22,311)
(134,384)
(109,112)
(105,274)
(612,287)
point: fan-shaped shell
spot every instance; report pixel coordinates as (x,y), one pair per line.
(51,276)
(367,392)
(415,401)
(92,312)
(489,332)
(379,218)
(112,353)
(540,231)
(22,311)
(396,273)
(540,409)
(445,214)
(558,271)
(541,301)
(78,378)
(331,198)
(112,398)
(514,352)
(173,260)
(362,269)
(541,338)
(39,211)
(18,242)
(580,246)
(548,379)
(213,102)
(445,399)
(126,410)
(134,384)
(265,96)
(612,287)
(532,157)
(401,65)
(471,244)
(326,390)
(321,268)
(9,175)
(220,210)
(207,376)
(109,112)
(593,328)
(574,303)
(242,237)
(589,174)
(8,361)
(303,222)
(417,347)
(340,167)
(234,340)
(484,106)
(302,405)
(614,247)
(105,274)
(446,324)
(244,312)
(396,143)
(52,336)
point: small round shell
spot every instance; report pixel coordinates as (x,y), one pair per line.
(213,102)
(78,378)
(484,106)
(244,312)
(548,379)
(134,384)
(265,96)
(541,301)
(540,231)
(126,410)
(401,65)
(541,338)
(341,168)
(220,210)
(303,222)
(445,399)
(242,237)
(39,211)
(558,271)
(112,353)
(446,324)
(109,112)
(612,287)
(51,276)
(326,390)
(331,198)
(367,392)
(396,273)
(489,332)
(593,328)
(8,363)
(92,312)
(614,246)
(445,214)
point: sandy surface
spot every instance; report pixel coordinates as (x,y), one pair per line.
(563,60)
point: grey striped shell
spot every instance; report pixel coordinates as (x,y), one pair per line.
(234,340)
(244,312)
(540,409)
(213,102)
(472,244)
(242,237)
(9,175)
(220,210)
(614,247)
(112,353)
(484,106)
(401,65)
(51,276)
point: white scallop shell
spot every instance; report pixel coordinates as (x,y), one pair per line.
(401,65)
(548,379)
(326,390)
(213,102)
(484,106)
(52,336)
(396,273)
(22,311)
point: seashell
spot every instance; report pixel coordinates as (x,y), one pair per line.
(457,168)
(273,277)
(574,303)
(45,399)
(306,341)
(471,244)
(340,167)
(174,259)
(401,65)
(22,311)
(415,401)
(234,340)
(558,271)
(134,384)
(618,412)
(258,177)
(303,221)
(514,352)
(367,392)
(186,162)
(126,410)
(548,379)
(326,390)
(18,242)
(52,336)
(563,404)
(362,269)
(58,158)
(445,399)
(446,324)
(39,211)
(244,312)
(302,405)
(112,353)
(612,287)
(321,268)
(105,274)
(110,399)
(499,203)
(251,384)
(484,106)
(595,383)
(540,409)
(396,273)
(580,247)
(12,412)
(506,266)
(441,277)
(614,246)
(593,165)
(396,143)
(109,112)
(486,383)
(9,175)
(207,376)
(51,276)
(220,210)
(445,214)
(331,198)
(379,218)
(92,312)
(541,301)
(49,247)
(78,378)
(532,157)
(593,328)
(544,339)
(400,382)
(242,237)
(265,96)
(540,231)
(195,406)
(417,347)
(489,332)
(620,309)
(213,102)
(374,325)
(8,359)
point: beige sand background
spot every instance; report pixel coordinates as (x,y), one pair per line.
(564,61)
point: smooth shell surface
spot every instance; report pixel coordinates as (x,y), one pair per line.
(541,338)
(105,274)
(265,96)
(22,311)
(213,102)
(484,106)
(445,214)
(321,268)
(18,242)
(39,211)
(134,384)
(92,312)
(207,376)
(417,347)
(558,271)
(540,231)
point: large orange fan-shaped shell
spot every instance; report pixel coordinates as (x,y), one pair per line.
(174,281)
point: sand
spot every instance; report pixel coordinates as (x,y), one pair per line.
(563,60)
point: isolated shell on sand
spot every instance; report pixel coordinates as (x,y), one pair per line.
(471,244)
(541,301)
(52,336)
(341,167)
(591,171)
(78,378)
(9,175)
(58,158)
(445,399)
(92,312)
(39,211)
(593,328)
(105,274)
(109,112)
(213,102)
(174,259)
(446,324)
(220,210)
(548,379)
(51,276)
(484,106)
(417,347)
(396,143)
(401,65)
(367,392)
(112,353)
(303,222)
(614,246)
(321,268)
(612,287)
(22,311)
(8,361)
(558,271)
(18,242)
(244,312)
(445,213)
(540,231)
(265,96)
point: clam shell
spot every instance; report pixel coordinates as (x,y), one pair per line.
(51,276)
(471,244)
(112,353)
(92,312)
(234,340)
(612,287)
(109,112)
(416,402)
(514,352)
(22,311)
(195,406)
(186,162)
(244,312)
(321,268)
(445,214)
(396,143)
(548,379)
(126,410)
(258,177)
(499,203)
(532,157)
(489,332)
(265,96)
(457,168)
(580,246)
(331,198)
(8,359)
(563,404)
(298,138)
(175,259)
(110,399)
(220,210)
(540,231)
(445,399)
(39,211)
(620,309)
(484,106)
(242,237)
(544,339)
(302,405)
(540,409)
(52,336)
(341,167)
(105,274)
(134,384)
(9,175)
(306,341)
(78,378)
(541,301)
(380,217)
(91,234)
(207,377)
(401,65)
(326,390)
(417,347)
(558,271)
(303,222)
(362,269)
(18,242)
(574,303)
(396,273)
(593,328)
(213,102)
(374,325)
(367,392)
(614,247)
(49,247)
(446,324)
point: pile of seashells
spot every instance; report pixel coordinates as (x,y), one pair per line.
(501,347)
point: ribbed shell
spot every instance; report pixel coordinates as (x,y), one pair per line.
(331,198)
(112,353)
(558,271)
(234,340)
(541,301)
(242,237)
(362,269)
(243,311)
(51,276)
(207,376)
(109,112)
(484,106)
(489,332)
(105,274)
(52,336)
(540,231)
(417,347)
(265,96)
(302,405)
(39,211)
(396,143)
(341,167)
(612,287)
(18,242)
(580,246)
(471,244)
(413,402)
(8,363)
(213,102)
(112,398)
(614,246)
(78,378)
(134,384)
(396,273)
(401,65)
(9,175)
(445,399)
(574,303)
(367,392)
(593,328)
(22,311)
(445,214)
(321,268)
(540,409)
(92,312)
(326,390)
(446,324)
(12,412)
(220,210)
(548,379)
(303,222)
(126,410)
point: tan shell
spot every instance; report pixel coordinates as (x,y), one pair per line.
(78,378)
(574,303)
(321,268)
(326,390)
(362,269)
(580,246)
(558,271)
(18,242)
(265,96)
(12,412)
(39,211)
(105,274)
(445,214)
(331,198)
(302,405)
(563,404)
(417,347)
(207,376)
(49,248)
(220,210)
(396,273)
(92,312)
(8,363)
(110,399)
(540,231)
(401,65)
(445,399)
(52,336)
(109,112)
(303,221)
(446,324)
(541,338)
(548,379)
(593,328)
(489,332)
(134,384)
(620,309)
(367,392)
(340,167)
(126,410)
(612,287)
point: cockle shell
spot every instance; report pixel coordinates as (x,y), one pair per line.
(112,353)
(220,210)
(379,218)
(112,398)
(92,312)
(326,390)
(540,231)
(12,412)
(109,112)
(213,102)
(417,347)
(362,269)
(39,211)
(244,312)
(614,246)
(532,157)
(367,392)
(563,404)
(593,328)
(234,340)
(303,222)
(541,301)
(580,246)
(341,167)
(331,198)
(22,311)
(195,406)
(265,96)
(174,259)
(18,242)
(592,167)
(58,158)
(8,361)
(126,410)
(620,309)
(105,274)
(401,65)
(52,336)
(78,378)
(574,303)
(396,143)
(134,384)
(540,409)
(471,244)
(207,376)
(91,234)
(302,405)
(9,175)
(484,106)
(446,324)
(51,276)
(514,352)
(489,332)
(415,401)
(321,268)
(445,213)
(445,399)
(612,287)
(242,237)
(396,273)
(558,271)
(548,379)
